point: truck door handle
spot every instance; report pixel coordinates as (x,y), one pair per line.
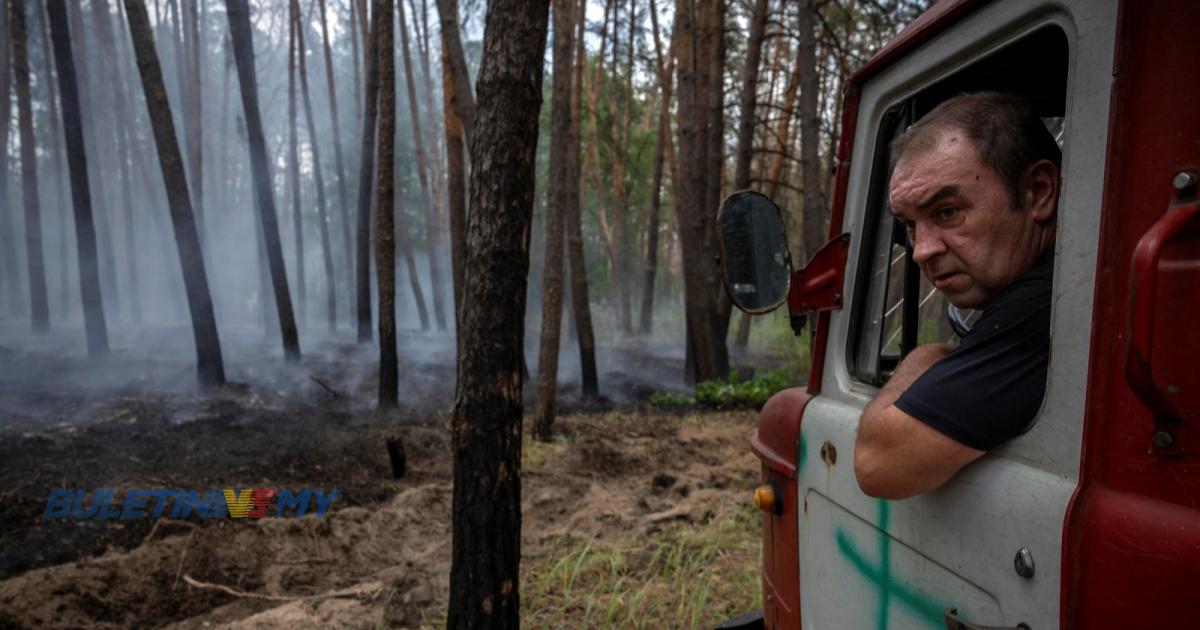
(1143,277)
(954,623)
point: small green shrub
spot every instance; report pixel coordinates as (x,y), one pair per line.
(735,393)
(732,392)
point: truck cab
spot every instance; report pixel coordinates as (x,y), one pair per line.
(1091,519)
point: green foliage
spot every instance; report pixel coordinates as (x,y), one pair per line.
(735,393)
(732,392)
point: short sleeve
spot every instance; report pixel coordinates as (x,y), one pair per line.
(988,389)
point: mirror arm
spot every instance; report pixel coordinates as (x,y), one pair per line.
(818,286)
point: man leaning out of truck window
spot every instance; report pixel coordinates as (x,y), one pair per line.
(975,184)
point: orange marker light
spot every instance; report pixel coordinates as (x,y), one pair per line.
(764,498)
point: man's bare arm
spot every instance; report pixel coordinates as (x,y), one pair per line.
(897,456)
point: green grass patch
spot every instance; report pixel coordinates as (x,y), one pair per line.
(684,576)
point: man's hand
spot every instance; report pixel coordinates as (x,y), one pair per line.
(897,456)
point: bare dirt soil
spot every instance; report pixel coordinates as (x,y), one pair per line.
(620,479)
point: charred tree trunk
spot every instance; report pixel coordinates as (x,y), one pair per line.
(697,33)
(366,171)
(85,232)
(243,53)
(204,324)
(661,144)
(431,232)
(339,163)
(559,199)
(293,173)
(36,264)
(385,240)
(580,305)
(319,179)
(485,570)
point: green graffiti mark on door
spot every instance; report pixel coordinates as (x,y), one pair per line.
(889,589)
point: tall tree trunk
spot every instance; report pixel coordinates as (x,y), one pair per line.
(385,240)
(485,569)
(431,232)
(580,305)
(747,115)
(664,71)
(366,171)
(591,164)
(339,163)
(620,105)
(36,265)
(697,35)
(9,266)
(747,121)
(315,145)
(354,54)
(115,83)
(462,101)
(56,159)
(458,112)
(210,367)
(559,199)
(401,224)
(293,172)
(85,233)
(437,155)
(98,181)
(714,178)
(243,54)
(810,164)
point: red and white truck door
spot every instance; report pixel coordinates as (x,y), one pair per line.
(989,543)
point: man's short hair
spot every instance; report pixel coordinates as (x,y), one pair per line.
(1007,134)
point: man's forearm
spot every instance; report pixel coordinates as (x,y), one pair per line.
(910,369)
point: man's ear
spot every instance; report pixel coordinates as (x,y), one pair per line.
(1039,190)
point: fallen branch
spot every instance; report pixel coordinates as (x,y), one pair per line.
(327,388)
(236,592)
(228,590)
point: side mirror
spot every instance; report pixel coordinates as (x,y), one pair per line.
(756,265)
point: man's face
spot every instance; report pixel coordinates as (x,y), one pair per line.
(968,239)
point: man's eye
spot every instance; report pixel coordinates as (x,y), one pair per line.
(947,212)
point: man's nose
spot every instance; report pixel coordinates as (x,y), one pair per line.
(927,243)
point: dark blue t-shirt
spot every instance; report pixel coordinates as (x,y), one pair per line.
(989,388)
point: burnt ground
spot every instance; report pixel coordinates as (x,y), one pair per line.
(137,420)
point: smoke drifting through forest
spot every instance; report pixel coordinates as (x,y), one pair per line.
(311,61)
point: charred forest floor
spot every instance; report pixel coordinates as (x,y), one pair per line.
(632,516)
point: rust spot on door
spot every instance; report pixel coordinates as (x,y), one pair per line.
(829,454)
